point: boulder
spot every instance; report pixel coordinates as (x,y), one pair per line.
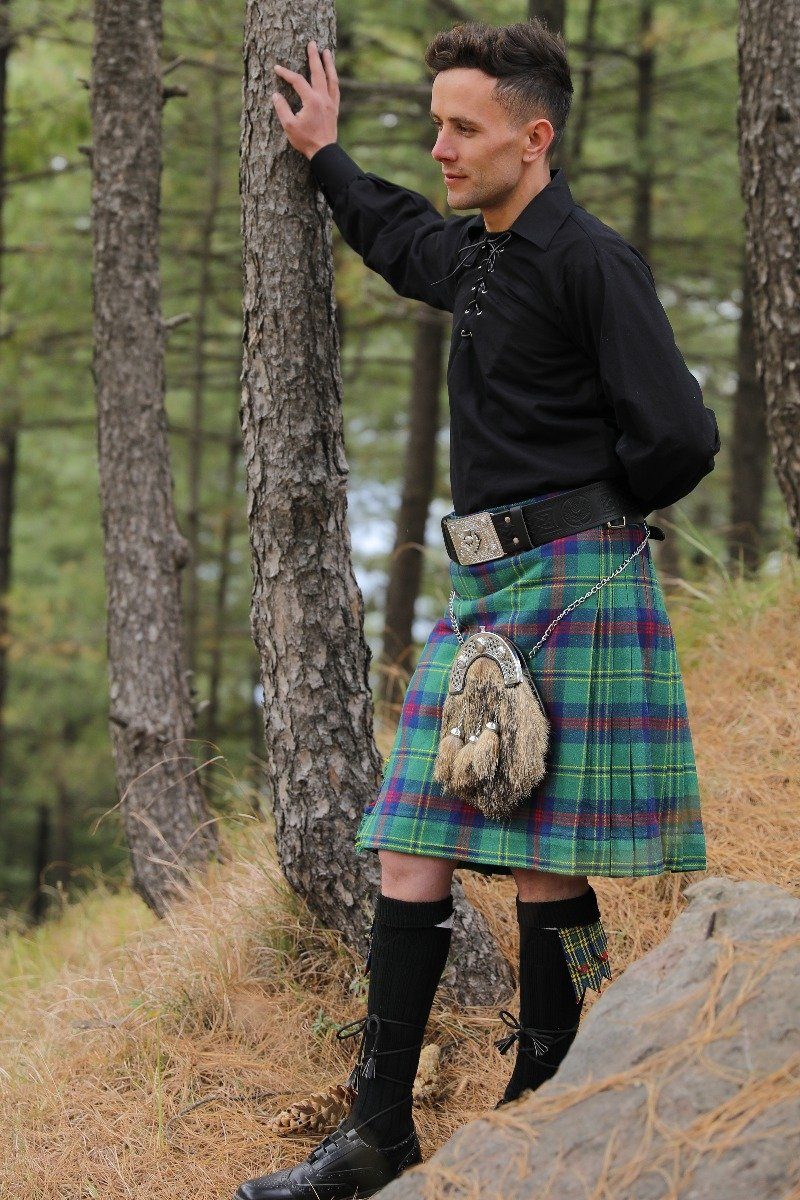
(683,1081)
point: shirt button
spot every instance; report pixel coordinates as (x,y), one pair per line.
(516,541)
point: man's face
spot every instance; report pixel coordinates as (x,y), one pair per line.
(480,151)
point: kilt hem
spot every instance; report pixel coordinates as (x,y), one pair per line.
(671,866)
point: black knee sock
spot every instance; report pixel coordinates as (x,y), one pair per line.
(548,994)
(408,952)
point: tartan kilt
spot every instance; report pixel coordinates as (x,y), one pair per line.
(620,794)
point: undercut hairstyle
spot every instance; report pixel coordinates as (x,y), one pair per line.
(528,61)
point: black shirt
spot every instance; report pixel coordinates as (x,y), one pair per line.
(563,367)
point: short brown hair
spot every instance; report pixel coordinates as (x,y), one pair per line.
(528,61)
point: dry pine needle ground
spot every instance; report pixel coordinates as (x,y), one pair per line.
(148,1060)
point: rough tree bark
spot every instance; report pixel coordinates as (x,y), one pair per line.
(322,765)
(769,159)
(419,478)
(163,810)
(749,451)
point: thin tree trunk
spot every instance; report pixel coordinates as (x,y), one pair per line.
(204,284)
(9,431)
(419,479)
(769,156)
(580,117)
(8,475)
(642,238)
(41,857)
(64,810)
(322,764)
(229,508)
(163,809)
(749,449)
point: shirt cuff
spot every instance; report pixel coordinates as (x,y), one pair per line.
(333,169)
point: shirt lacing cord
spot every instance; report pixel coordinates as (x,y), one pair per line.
(495,248)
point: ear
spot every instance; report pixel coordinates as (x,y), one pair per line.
(539,133)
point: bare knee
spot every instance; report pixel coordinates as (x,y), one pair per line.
(415,876)
(546,885)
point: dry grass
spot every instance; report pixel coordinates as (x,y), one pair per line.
(144,1060)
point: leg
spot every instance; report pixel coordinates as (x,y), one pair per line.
(544,885)
(409,944)
(376,1141)
(415,876)
(552,972)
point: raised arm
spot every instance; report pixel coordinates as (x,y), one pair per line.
(397,231)
(668,438)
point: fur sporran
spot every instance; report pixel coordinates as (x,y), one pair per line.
(493,753)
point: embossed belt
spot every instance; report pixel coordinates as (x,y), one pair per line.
(483,536)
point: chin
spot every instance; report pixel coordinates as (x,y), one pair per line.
(462,200)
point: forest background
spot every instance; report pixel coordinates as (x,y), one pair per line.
(58,828)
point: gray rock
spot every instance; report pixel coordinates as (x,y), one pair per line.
(682,1084)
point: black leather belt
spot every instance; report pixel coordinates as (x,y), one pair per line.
(481,537)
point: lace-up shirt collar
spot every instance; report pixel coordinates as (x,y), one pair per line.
(539,219)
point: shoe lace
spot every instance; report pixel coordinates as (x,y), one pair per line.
(370,1027)
(541,1040)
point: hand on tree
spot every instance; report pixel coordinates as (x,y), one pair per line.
(315,124)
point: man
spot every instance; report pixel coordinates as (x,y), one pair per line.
(573,414)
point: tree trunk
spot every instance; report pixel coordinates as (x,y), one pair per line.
(8,475)
(163,810)
(230,506)
(749,449)
(322,765)
(41,857)
(419,478)
(8,433)
(642,238)
(573,161)
(769,157)
(205,249)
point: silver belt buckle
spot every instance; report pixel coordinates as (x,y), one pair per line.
(474,538)
(620,523)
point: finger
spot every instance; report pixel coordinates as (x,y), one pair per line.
(330,71)
(298,81)
(283,109)
(318,78)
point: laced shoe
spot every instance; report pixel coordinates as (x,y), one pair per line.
(346,1165)
(353,1161)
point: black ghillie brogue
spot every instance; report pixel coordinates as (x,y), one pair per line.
(344,1166)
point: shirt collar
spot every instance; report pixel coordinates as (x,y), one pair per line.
(541,217)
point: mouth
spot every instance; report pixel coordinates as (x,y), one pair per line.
(452,178)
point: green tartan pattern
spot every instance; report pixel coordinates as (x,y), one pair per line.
(620,796)
(586,952)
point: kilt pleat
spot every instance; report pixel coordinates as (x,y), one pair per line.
(620,795)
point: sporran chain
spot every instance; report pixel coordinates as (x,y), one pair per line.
(569,608)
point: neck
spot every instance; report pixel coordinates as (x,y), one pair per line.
(498,217)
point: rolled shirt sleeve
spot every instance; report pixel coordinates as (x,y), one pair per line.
(668,438)
(397,232)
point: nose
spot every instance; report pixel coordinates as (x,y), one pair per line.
(441,152)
